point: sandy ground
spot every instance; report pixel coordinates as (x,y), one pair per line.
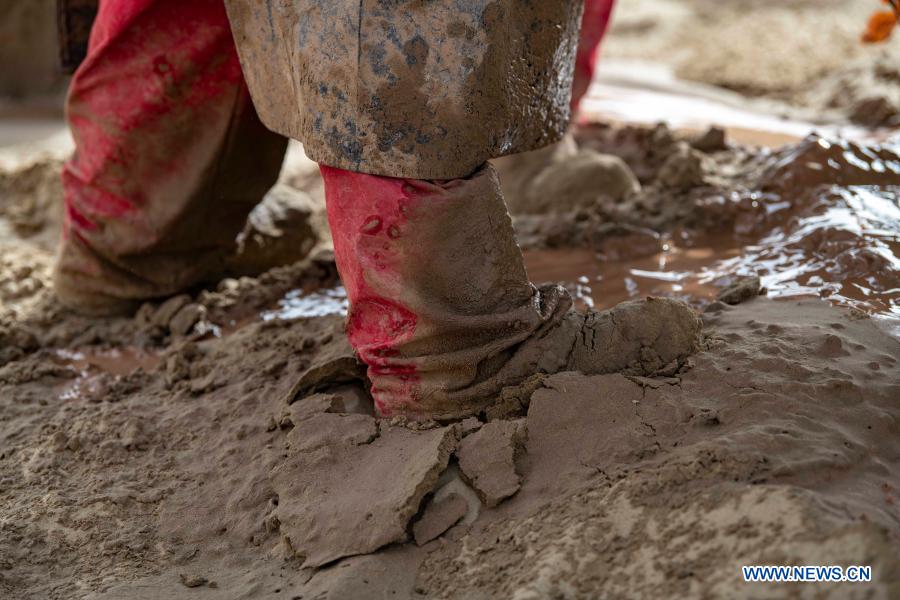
(182,453)
(221,444)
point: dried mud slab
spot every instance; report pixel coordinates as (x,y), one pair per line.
(331,430)
(336,363)
(580,426)
(350,497)
(741,290)
(487,460)
(438,517)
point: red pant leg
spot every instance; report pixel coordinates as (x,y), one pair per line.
(597,14)
(170,155)
(439,296)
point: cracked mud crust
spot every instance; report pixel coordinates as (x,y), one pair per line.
(642,337)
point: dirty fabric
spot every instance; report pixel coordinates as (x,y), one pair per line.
(597,15)
(167,144)
(168,139)
(442,310)
(425,90)
(439,296)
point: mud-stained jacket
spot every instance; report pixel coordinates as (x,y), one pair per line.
(426,89)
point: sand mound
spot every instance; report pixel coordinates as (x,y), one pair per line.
(563,179)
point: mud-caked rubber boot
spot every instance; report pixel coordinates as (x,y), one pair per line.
(640,337)
(653,336)
(441,308)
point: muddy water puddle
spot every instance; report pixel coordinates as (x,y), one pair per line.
(93,365)
(843,246)
(675,272)
(820,218)
(297,304)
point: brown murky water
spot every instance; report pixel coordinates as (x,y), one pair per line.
(92,365)
(674,272)
(824,222)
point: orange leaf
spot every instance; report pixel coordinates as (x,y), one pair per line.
(880,26)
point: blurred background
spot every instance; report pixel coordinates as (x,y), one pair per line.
(28,49)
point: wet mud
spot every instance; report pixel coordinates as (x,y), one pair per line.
(222,443)
(814,218)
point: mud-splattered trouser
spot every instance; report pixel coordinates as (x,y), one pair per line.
(171,156)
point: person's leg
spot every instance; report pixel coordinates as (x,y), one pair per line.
(170,155)
(441,308)
(594,23)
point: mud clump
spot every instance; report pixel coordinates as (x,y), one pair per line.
(31,198)
(866,92)
(439,516)
(279,231)
(487,460)
(819,161)
(683,169)
(356,496)
(580,181)
(744,289)
(712,140)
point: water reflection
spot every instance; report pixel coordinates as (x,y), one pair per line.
(296,304)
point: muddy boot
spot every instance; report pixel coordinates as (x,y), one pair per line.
(95,280)
(442,310)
